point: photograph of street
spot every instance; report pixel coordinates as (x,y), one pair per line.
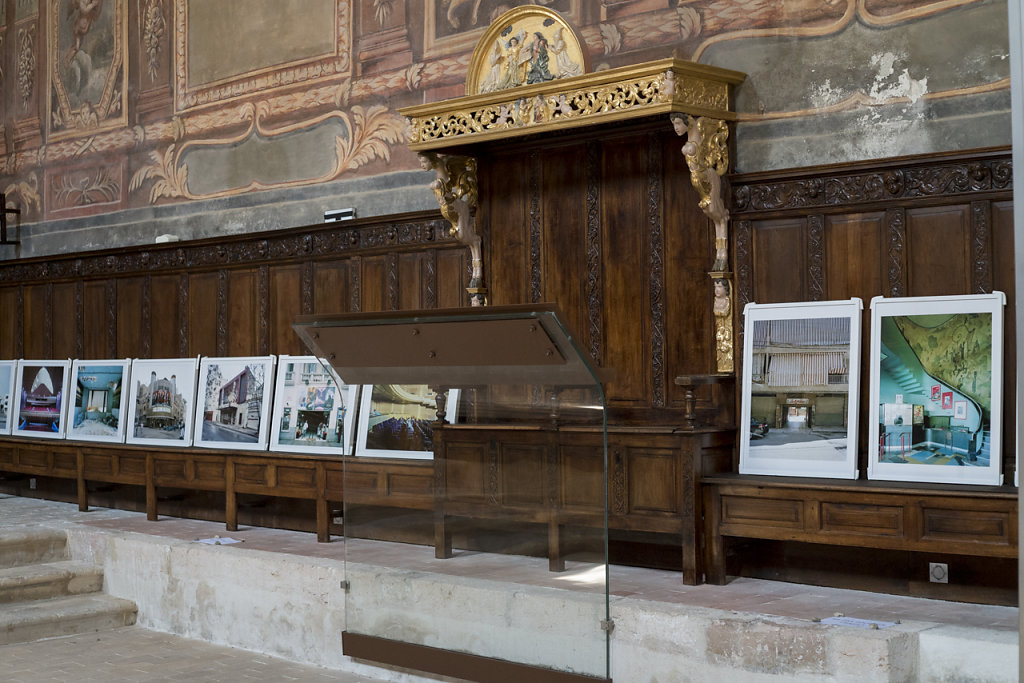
(161,401)
(311,413)
(233,401)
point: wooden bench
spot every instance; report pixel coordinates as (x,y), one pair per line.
(306,477)
(941,518)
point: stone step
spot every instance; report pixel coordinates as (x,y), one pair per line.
(22,622)
(32,546)
(50,580)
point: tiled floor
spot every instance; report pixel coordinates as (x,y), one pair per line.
(740,595)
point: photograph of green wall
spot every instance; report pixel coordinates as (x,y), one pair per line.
(936,370)
(800,389)
(100,398)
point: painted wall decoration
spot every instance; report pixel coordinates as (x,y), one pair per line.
(40,392)
(233,402)
(801,369)
(87,86)
(916,343)
(160,113)
(96,411)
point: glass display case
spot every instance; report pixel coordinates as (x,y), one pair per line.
(475,502)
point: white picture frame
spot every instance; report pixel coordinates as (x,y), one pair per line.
(96,411)
(40,391)
(233,402)
(955,342)
(801,389)
(8,375)
(305,392)
(412,404)
(165,419)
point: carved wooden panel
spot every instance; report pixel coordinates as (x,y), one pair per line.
(243,313)
(164,317)
(331,287)
(654,481)
(939,254)
(129,302)
(285,287)
(768,512)
(522,481)
(780,245)
(204,294)
(465,471)
(881,520)
(408,484)
(581,476)
(862,236)
(9,322)
(64,323)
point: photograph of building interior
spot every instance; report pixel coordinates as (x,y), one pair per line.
(554,212)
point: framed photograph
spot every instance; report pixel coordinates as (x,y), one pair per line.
(96,409)
(39,393)
(801,370)
(936,393)
(161,403)
(8,369)
(312,414)
(955,342)
(233,402)
(395,420)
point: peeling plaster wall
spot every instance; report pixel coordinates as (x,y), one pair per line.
(828,81)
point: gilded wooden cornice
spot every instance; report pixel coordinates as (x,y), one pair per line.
(660,87)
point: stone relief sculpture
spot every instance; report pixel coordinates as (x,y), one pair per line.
(456,191)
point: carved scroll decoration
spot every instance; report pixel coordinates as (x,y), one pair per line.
(593,287)
(26,63)
(896,221)
(456,190)
(816,256)
(154,29)
(657,272)
(981,247)
(535,227)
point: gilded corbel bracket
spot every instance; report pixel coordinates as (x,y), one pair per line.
(707,156)
(456,190)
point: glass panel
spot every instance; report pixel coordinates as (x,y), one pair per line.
(456,531)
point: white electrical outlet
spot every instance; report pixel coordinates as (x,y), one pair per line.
(938,572)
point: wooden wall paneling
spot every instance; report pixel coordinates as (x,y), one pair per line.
(285,292)
(164,315)
(503,187)
(854,246)
(202,306)
(938,250)
(331,281)
(779,246)
(896,271)
(37,321)
(626,272)
(65,337)
(243,313)
(688,255)
(594,287)
(563,232)
(1002,261)
(409,284)
(373,288)
(130,329)
(452,279)
(94,320)
(10,334)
